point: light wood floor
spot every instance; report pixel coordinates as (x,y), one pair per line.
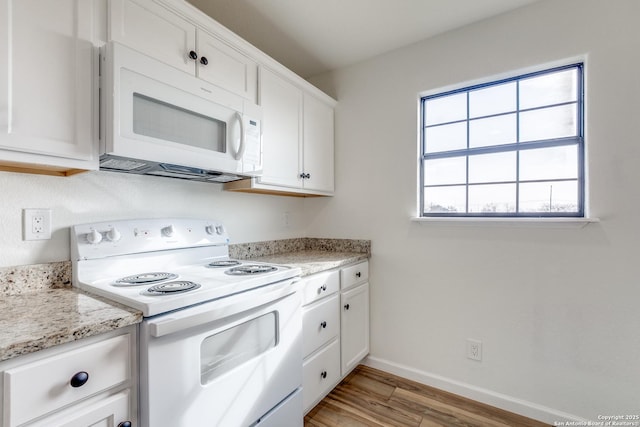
(369,397)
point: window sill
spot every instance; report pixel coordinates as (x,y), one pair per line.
(509,222)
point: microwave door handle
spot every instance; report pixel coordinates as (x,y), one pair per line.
(241,147)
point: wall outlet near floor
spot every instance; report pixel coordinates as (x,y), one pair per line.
(474,349)
(36,224)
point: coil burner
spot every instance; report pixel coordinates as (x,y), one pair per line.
(172,287)
(223,263)
(249,269)
(145,279)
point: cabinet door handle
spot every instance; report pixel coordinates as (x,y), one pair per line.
(305,175)
(346,306)
(79,379)
(125,424)
(323,374)
(193,55)
(323,324)
(204,61)
(322,288)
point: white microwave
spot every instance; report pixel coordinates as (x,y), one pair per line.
(158,120)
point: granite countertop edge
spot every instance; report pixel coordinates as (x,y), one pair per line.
(66,314)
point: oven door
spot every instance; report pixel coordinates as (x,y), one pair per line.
(228,362)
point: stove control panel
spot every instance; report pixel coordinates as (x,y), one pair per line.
(104,239)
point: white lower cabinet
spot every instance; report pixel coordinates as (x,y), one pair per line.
(335,323)
(89,382)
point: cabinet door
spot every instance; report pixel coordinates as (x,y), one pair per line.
(109,412)
(152,29)
(281,104)
(318,144)
(227,67)
(354,328)
(46,79)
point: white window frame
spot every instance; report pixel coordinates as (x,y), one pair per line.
(577,140)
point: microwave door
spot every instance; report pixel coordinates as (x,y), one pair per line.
(163,115)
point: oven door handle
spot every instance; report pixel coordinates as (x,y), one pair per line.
(221,308)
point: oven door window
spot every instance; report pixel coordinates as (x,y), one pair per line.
(158,119)
(226,350)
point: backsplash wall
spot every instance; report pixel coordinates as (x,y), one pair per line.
(103,196)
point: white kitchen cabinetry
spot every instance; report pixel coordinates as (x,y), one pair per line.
(48,96)
(154,29)
(335,338)
(354,320)
(84,383)
(297,134)
(320,336)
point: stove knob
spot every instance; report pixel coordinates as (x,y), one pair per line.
(113,235)
(210,229)
(94,237)
(168,231)
(219,229)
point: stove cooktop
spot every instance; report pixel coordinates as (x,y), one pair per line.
(147,269)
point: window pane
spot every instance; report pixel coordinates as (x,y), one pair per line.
(492,167)
(549,89)
(492,100)
(451,170)
(445,199)
(446,137)
(549,163)
(446,109)
(492,131)
(549,197)
(492,198)
(548,123)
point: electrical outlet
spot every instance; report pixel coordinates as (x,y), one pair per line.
(474,349)
(36,224)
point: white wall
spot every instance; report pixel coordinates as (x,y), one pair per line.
(103,196)
(557,310)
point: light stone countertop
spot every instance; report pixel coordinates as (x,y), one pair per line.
(314,261)
(40,309)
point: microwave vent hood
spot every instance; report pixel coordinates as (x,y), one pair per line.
(146,167)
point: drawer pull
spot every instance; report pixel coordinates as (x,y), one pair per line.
(358,274)
(125,424)
(323,324)
(346,306)
(79,379)
(322,288)
(323,374)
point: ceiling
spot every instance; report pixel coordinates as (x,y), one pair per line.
(314,36)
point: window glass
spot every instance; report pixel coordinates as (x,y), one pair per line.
(446,137)
(492,100)
(450,199)
(493,131)
(492,167)
(446,109)
(549,89)
(548,123)
(450,170)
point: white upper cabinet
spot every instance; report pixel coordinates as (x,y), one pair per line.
(317,156)
(281,108)
(297,136)
(48,96)
(157,31)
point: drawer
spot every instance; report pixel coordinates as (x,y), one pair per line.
(320,285)
(43,386)
(320,323)
(353,275)
(321,373)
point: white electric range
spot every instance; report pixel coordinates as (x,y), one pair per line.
(210,322)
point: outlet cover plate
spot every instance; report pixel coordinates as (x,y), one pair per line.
(474,349)
(36,224)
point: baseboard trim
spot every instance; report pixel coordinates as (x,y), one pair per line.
(488,397)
